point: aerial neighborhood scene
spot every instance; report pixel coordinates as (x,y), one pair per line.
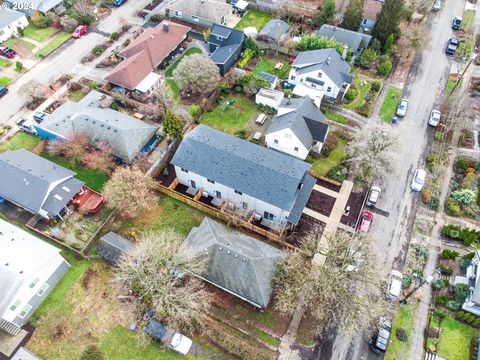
(239,179)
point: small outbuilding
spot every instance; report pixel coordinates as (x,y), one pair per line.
(269,97)
(112,246)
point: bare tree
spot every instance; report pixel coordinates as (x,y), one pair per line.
(83,7)
(32,90)
(285,9)
(345,292)
(75,148)
(128,191)
(370,155)
(197,73)
(99,157)
(159,275)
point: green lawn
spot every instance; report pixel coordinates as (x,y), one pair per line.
(398,350)
(253,18)
(38,34)
(191,51)
(360,104)
(4,81)
(55,43)
(454,342)
(15,42)
(452,80)
(322,166)
(465,47)
(21,140)
(268,65)
(234,117)
(92,177)
(468,23)
(387,111)
(335,117)
(5,63)
(76,96)
(174,88)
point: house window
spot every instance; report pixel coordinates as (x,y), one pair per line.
(178,13)
(211,181)
(364,21)
(292,77)
(25,311)
(301,80)
(15,305)
(184,170)
(218,194)
(42,290)
(314,86)
(195,18)
(319,75)
(275,141)
(244,205)
(295,149)
(329,89)
(238,192)
(34,282)
(192,183)
(268,216)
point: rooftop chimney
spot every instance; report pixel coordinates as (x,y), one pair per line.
(165,26)
(345,51)
(329,60)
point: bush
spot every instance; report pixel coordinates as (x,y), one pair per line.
(442,300)
(18,66)
(242,134)
(462,164)
(464,196)
(247,55)
(446,270)
(351,94)
(438,136)
(449,254)
(367,58)
(165,172)
(194,109)
(452,208)
(434,203)
(452,305)
(401,334)
(20,31)
(329,144)
(459,314)
(337,173)
(461,292)
(93,85)
(68,23)
(238,89)
(476,322)
(376,85)
(385,67)
(426,196)
(114,36)
(440,315)
(97,50)
(114,106)
(438,284)
(421,252)
(406,281)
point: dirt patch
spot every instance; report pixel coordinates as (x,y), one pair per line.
(328,185)
(321,203)
(355,201)
(22,50)
(167,180)
(304,226)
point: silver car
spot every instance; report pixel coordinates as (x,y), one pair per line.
(373,196)
(402,107)
(434,118)
(418,180)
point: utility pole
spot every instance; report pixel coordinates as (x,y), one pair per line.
(428,280)
(460,77)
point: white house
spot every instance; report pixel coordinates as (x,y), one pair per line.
(472,302)
(10,20)
(269,97)
(248,177)
(323,70)
(298,128)
(29,269)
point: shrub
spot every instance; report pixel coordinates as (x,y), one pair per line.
(337,173)
(20,31)
(418,272)
(438,136)
(464,196)
(330,144)
(452,207)
(471,318)
(97,50)
(421,252)
(247,55)
(18,66)
(114,106)
(238,89)
(465,316)
(351,94)
(93,85)
(68,23)
(459,314)
(438,284)
(376,85)
(401,334)
(461,292)
(452,305)
(406,281)
(462,164)
(449,254)
(434,203)
(476,322)
(442,300)
(114,36)
(242,134)
(165,172)
(367,58)
(446,270)
(194,109)
(439,314)
(426,196)
(385,67)
(432,332)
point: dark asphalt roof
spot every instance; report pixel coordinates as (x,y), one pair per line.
(354,40)
(112,246)
(229,42)
(275,28)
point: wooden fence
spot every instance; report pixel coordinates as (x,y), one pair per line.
(40,147)
(323,178)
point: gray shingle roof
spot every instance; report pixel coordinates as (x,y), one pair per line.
(9,16)
(24,354)
(354,40)
(112,246)
(229,43)
(305,120)
(260,172)
(26,179)
(302,200)
(207,9)
(336,68)
(275,28)
(126,135)
(238,263)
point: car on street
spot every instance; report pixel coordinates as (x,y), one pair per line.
(452,46)
(457,23)
(39,116)
(118,3)
(7,52)
(366,220)
(418,180)
(402,107)
(437,5)
(394,285)
(380,339)
(373,196)
(80,31)
(434,118)
(27,126)
(3,91)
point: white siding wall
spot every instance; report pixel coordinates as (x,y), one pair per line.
(287,142)
(229,195)
(301,79)
(268,101)
(11,29)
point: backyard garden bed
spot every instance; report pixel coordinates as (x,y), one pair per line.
(362,95)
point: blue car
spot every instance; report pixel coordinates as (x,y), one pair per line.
(3,91)
(118,3)
(456,23)
(452,46)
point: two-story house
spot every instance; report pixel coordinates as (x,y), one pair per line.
(298,128)
(323,71)
(248,177)
(202,13)
(356,41)
(225,46)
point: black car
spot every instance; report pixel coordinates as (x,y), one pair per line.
(3,91)
(456,23)
(379,341)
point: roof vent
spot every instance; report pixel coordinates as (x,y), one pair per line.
(166,26)
(329,60)
(220,248)
(228,252)
(6,264)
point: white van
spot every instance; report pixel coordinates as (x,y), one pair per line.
(394,285)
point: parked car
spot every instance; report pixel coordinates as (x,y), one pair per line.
(7,52)
(373,196)
(366,220)
(80,31)
(437,5)
(418,180)
(176,341)
(39,116)
(457,23)
(452,46)
(380,339)
(434,118)
(402,107)
(27,126)
(3,91)
(118,3)
(394,285)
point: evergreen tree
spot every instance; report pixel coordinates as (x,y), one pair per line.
(327,13)
(353,15)
(388,20)
(172,125)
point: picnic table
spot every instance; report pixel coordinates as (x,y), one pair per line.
(257,136)
(261,119)
(279,65)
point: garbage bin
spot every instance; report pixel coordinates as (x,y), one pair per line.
(394,120)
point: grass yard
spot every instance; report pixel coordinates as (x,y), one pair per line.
(38,34)
(5,63)
(398,350)
(454,342)
(268,65)
(322,166)
(452,80)
(465,48)
(21,140)
(468,23)
(76,96)
(253,18)
(387,111)
(174,89)
(15,42)
(191,51)
(54,44)
(335,117)
(4,81)
(92,177)
(234,117)
(360,104)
